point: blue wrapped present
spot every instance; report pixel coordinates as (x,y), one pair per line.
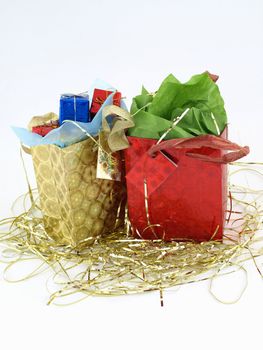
(74,107)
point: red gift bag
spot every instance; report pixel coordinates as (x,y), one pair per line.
(177,189)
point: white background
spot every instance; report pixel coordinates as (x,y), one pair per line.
(52,46)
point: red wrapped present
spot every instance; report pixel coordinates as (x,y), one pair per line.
(99,97)
(43,130)
(177,189)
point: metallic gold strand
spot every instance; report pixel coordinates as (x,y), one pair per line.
(119,264)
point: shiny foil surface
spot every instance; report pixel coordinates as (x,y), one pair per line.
(174,196)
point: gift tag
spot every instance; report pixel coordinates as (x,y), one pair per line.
(154,171)
(108,164)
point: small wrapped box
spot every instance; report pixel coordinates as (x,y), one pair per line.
(43,124)
(42,130)
(99,98)
(74,107)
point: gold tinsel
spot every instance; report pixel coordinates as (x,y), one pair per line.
(118,264)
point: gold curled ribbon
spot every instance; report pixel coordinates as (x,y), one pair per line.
(118,264)
(123,120)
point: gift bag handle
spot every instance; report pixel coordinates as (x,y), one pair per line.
(210,141)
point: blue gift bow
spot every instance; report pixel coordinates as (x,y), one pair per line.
(69,132)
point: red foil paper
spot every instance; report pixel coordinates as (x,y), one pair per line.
(187,197)
(99,97)
(43,130)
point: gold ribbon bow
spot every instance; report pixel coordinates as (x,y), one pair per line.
(123,120)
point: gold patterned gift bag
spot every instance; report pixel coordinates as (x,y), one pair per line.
(76,205)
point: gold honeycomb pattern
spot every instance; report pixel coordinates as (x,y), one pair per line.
(75,204)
